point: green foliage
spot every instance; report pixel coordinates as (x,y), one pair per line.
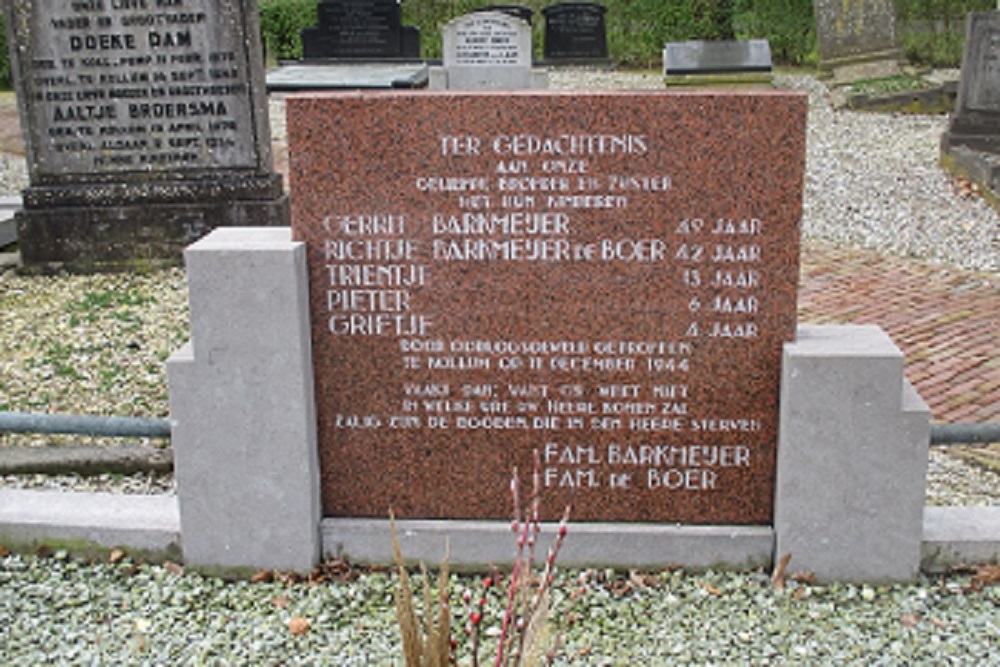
(932,32)
(6,78)
(281,22)
(788,25)
(941,49)
(430,15)
(637,29)
(909,10)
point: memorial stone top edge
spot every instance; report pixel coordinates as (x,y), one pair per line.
(574,6)
(556,92)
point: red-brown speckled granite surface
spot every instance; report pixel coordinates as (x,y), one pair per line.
(437,371)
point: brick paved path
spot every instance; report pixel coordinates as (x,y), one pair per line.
(946,321)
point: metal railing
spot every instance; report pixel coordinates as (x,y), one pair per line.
(111,427)
(964,434)
(140,427)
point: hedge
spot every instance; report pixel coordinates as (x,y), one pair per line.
(931,32)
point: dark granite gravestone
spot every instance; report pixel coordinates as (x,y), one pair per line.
(575,33)
(145,124)
(857,38)
(360,29)
(972,143)
(701,57)
(606,278)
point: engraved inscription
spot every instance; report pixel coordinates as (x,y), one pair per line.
(574,290)
(138,85)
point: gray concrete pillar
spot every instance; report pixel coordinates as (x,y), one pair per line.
(241,400)
(852,457)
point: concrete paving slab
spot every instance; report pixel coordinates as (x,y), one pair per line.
(960,536)
(149,524)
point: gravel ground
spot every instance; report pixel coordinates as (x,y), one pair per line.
(66,612)
(872,180)
(97,345)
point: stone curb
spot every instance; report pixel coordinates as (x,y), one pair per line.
(9,204)
(9,260)
(85,460)
(937,100)
(952,536)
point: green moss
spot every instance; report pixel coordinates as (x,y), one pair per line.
(889,84)
(138,266)
(954,167)
(86,549)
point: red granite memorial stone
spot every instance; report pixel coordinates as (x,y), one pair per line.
(606,278)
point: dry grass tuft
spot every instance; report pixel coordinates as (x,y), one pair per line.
(426,641)
(524,637)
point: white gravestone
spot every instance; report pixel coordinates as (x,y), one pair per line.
(486,51)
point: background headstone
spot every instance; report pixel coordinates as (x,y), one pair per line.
(976,122)
(145,126)
(716,57)
(485,50)
(360,29)
(606,278)
(575,33)
(857,38)
(971,145)
(717,63)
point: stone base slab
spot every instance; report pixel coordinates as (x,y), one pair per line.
(728,80)
(124,459)
(347,76)
(873,65)
(479,544)
(150,524)
(538,79)
(133,235)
